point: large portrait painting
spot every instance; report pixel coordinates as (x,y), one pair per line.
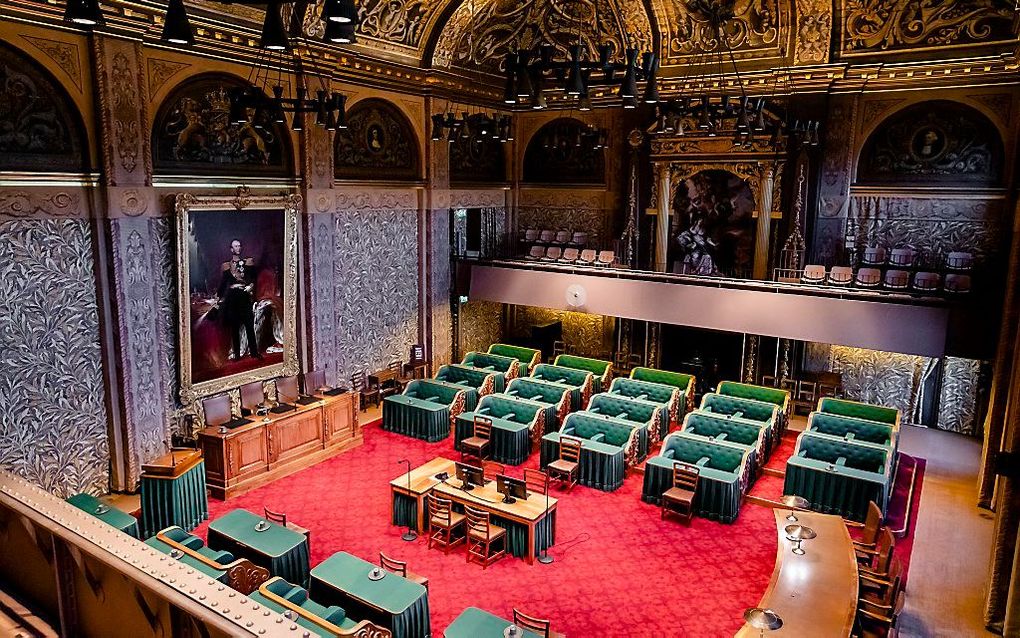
(713,225)
(237,283)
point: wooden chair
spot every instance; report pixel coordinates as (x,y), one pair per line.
(875,562)
(492,469)
(217,410)
(482,535)
(477,444)
(872,524)
(680,498)
(400,567)
(790,385)
(537,481)
(880,604)
(314,382)
(806,396)
(359,384)
(393,386)
(567,468)
(443,523)
(768,381)
(281,518)
(252,394)
(539,626)
(402,379)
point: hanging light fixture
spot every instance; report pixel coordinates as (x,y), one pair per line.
(274,33)
(84,13)
(176,26)
(340,32)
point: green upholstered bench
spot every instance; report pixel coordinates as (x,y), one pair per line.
(858,410)
(427,409)
(760,393)
(731,429)
(725,470)
(239,573)
(668,395)
(685,382)
(602,371)
(509,366)
(853,429)
(485,381)
(654,416)
(554,394)
(750,409)
(580,380)
(106,513)
(608,447)
(838,476)
(517,426)
(529,357)
(283,597)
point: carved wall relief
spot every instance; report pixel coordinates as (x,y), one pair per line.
(396,21)
(379,143)
(814,31)
(758,29)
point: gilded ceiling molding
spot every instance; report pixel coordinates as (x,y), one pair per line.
(64,54)
(500,26)
(884,26)
(159,71)
(759,29)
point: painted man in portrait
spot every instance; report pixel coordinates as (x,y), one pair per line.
(237,300)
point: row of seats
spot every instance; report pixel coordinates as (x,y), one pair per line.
(905,257)
(555,237)
(586,257)
(892,279)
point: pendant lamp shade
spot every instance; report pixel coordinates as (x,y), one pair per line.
(274,33)
(177,27)
(85,13)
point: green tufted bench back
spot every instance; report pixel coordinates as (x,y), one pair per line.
(676,379)
(299,596)
(756,392)
(527,356)
(595,366)
(484,360)
(586,426)
(690,450)
(500,405)
(623,407)
(559,374)
(748,408)
(712,425)
(842,407)
(829,449)
(656,392)
(455,373)
(426,390)
(547,392)
(841,426)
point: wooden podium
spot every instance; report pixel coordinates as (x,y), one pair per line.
(173,492)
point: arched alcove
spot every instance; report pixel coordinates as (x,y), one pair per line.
(554,155)
(40,129)
(477,159)
(192,134)
(379,143)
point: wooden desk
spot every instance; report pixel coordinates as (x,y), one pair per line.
(815,594)
(379,377)
(527,513)
(276,445)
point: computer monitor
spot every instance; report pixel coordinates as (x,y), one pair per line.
(511,488)
(469,475)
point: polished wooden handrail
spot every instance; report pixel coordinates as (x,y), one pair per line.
(363,628)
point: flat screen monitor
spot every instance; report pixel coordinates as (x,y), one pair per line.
(511,488)
(469,475)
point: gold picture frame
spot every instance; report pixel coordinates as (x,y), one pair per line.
(186,207)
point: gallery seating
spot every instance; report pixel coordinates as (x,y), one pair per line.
(514,427)
(685,382)
(896,280)
(762,412)
(668,395)
(281,596)
(427,409)
(570,255)
(654,416)
(602,370)
(868,278)
(529,357)
(926,282)
(903,257)
(509,366)
(608,447)
(606,258)
(553,253)
(813,274)
(554,395)
(959,261)
(580,381)
(859,410)
(718,427)
(587,258)
(724,474)
(759,393)
(841,276)
(873,256)
(957,284)
(854,429)
(237,573)
(485,381)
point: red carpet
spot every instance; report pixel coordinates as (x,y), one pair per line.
(619,570)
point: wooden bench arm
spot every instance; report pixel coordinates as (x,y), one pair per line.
(363,629)
(242,574)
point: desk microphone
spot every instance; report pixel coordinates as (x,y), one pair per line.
(410,534)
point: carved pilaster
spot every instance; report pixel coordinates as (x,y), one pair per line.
(321,226)
(434,247)
(122,107)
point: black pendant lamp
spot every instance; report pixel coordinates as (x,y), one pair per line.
(274,34)
(177,28)
(85,13)
(340,32)
(575,83)
(628,88)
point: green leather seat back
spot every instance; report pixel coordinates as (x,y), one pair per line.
(840,426)
(756,392)
(484,360)
(857,410)
(829,449)
(586,425)
(500,405)
(595,366)
(529,388)
(525,355)
(676,379)
(712,425)
(455,373)
(559,374)
(426,389)
(691,450)
(623,407)
(657,392)
(748,408)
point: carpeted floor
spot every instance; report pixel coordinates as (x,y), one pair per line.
(619,570)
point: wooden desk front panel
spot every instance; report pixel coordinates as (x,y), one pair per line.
(341,418)
(247,454)
(294,436)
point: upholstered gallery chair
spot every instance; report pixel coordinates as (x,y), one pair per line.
(957,284)
(536,252)
(579,239)
(562,237)
(606,258)
(240,574)
(531,235)
(896,280)
(553,254)
(873,256)
(926,282)
(570,255)
(813,274)
(547,236)
(959,261)
(587,257)
(868,278)
(904,257)
(841,276)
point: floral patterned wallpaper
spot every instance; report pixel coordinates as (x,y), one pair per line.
(53,426)
(481,325)
(375,288)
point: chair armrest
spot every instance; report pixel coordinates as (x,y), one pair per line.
(702,461)
(669,454)
(567,431)
(598,437)
(721,436)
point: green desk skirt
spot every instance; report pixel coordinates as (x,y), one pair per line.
(282,551)
(393,602)
(112,516)
(834,492)
(509,446)
(405,514)
(476,623)
(602,466)
(415,421)
(180,501)
(716,498)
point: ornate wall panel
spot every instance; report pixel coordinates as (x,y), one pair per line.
(958,401)
(814,31)
(161,230)
(375,275)
(439,282)
(758,29)
(321,253)
(553,156)
(379,143)
(576,210)
(500,26)
(588,335)
(192,134)
(935,142)
(876,26)
(400,22)
(481,325)
(39,127)
(54,422)
(477,160)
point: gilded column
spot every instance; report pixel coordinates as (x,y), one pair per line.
(662,220)
(761,244)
